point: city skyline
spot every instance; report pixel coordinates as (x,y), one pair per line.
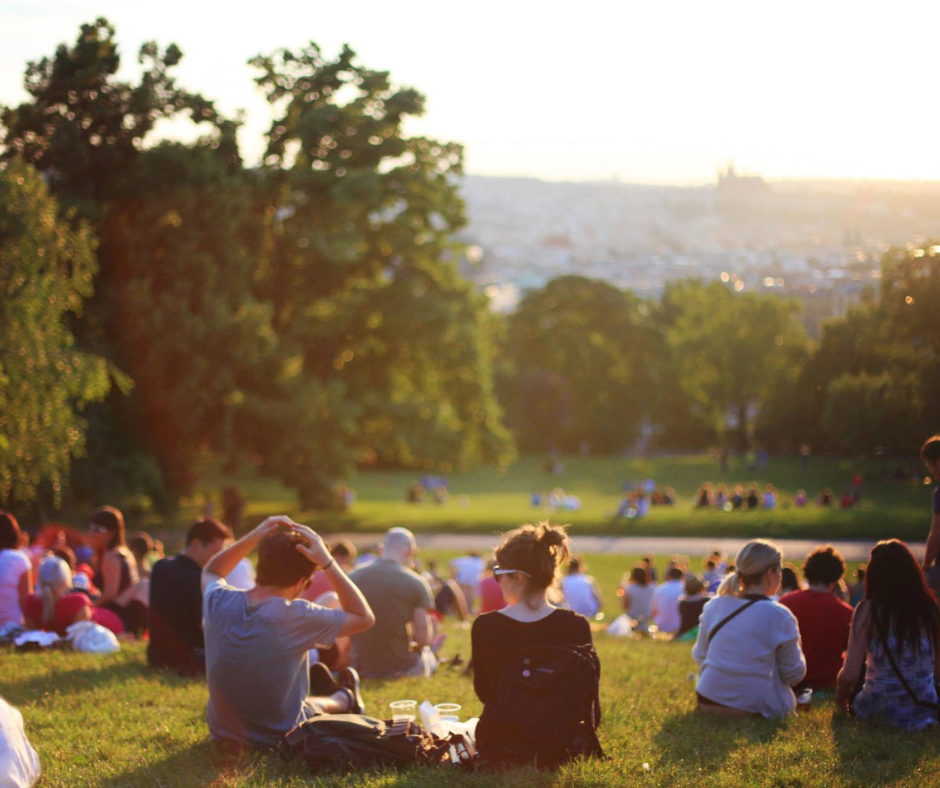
(646,95)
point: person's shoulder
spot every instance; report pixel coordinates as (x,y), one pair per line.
(779,612)
(487,622)
(570,619)
(792,598)
(16,559)
(219,591)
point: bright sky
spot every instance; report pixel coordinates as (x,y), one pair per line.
(654,92)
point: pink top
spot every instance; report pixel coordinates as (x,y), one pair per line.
(491,595)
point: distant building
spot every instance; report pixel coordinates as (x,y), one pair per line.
(734,188)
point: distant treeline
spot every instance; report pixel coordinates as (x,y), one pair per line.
(307,316)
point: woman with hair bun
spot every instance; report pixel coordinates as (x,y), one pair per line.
(527,567)
(748,646)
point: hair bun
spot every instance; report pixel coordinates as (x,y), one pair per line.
(552,535)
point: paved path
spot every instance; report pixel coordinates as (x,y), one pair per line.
(793,549)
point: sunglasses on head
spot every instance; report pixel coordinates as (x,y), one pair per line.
(499,570)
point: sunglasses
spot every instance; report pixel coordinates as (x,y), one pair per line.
(498,570)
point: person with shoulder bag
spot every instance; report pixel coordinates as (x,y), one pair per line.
(748,646)
(893,659)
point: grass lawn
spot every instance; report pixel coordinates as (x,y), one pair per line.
(483,501)
(108,721)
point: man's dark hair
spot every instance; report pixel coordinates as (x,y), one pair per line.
(823,566)
(676,573)
(9,531)
(931,449)
(343,550)
(208,529)
(280,563)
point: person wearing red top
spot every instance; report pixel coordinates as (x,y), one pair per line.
(823,618)
(491,594)
(55,609)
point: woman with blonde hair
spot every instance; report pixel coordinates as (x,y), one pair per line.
(748,646)
(55,607)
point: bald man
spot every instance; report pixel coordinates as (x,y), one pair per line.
(398,644)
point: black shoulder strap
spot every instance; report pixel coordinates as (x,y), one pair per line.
(907,687)
(736,613)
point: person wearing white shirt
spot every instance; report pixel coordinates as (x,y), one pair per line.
(748,646)
(16,576)
(666,602)
(582,594)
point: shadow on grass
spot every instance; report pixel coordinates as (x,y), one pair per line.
(696,740)
(86,679)
(201,763)
(877,752)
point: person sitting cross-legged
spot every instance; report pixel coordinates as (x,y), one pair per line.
(257,640)
(824,619)
(748,646)
(401,642)
(175,611)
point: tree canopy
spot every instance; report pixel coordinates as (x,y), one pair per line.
(46,271)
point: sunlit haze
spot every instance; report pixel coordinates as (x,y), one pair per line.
(651,92)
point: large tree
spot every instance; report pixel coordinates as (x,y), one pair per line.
(368,305)
(582,356)
(169,223)
(46,270)
(733,351)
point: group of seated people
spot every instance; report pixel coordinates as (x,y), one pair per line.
(49,585)
(739,498)
(754,648)
(758,648)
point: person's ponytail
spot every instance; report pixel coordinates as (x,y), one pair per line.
(752,561)
(730,586)
(48,603)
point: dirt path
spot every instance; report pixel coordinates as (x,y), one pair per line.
(793,549)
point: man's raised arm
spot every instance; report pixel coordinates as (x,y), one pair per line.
(359,616)
(221,564)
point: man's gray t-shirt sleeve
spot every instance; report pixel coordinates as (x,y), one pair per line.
(306,625)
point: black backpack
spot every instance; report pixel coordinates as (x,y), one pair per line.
(344,742)
(547,709)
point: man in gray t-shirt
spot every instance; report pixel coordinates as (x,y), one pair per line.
(257,640)
(401,599)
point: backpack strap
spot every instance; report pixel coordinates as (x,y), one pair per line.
(935,707)
(736,613)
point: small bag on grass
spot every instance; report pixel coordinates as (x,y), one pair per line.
(346,742)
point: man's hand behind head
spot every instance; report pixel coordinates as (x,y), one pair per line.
(313,546)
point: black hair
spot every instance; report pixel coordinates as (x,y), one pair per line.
(9,531)
(900,599)
(824,565)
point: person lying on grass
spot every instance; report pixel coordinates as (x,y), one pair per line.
(748,646)
(257,640)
